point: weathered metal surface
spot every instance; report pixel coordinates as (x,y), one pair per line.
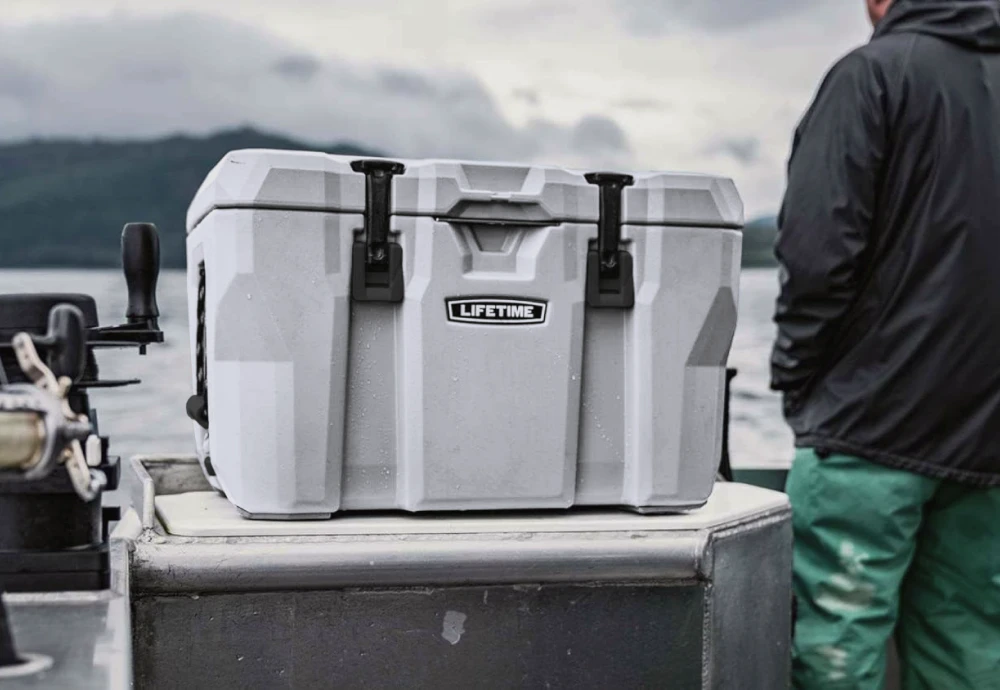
(86,635)
(750,606)
(691,608)
(302,565)
(558,636)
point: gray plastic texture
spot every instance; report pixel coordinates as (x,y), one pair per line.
(318,403)
(510,193)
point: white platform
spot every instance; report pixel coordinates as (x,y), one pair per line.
(207,514)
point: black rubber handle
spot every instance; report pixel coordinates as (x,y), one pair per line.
(141,261)
(67,331)
(378,203)
(609,224)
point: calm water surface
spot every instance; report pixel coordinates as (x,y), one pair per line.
(150,418)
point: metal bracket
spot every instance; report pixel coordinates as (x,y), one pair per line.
(377,263)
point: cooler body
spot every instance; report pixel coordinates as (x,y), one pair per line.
(487,377)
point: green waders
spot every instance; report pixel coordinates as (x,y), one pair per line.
(877,548)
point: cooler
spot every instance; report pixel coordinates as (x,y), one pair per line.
(440,335)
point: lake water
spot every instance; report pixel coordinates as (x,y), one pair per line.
(150,418)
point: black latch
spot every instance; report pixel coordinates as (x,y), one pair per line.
(377,263)
(609,267)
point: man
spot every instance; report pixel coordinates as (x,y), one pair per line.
(888,354)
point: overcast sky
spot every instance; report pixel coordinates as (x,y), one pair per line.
(699,85)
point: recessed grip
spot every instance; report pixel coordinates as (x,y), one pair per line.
(141,263)
(67,354)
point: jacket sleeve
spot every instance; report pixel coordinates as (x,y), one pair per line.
(825,224)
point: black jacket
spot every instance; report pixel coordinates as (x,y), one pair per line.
(888,342)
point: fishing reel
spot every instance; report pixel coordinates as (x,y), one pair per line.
(54,463)
(38,428)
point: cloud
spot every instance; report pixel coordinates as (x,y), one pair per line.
(406,83)
(745,150)
(594,142)
(121,76)
(656,17)
(520,15)
(526,96)
(523,74)
(643,104)
(599,135)
(19,82)
(298,67)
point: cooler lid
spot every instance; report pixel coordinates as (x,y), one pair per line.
(469,191)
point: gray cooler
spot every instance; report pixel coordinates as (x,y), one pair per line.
(437,335)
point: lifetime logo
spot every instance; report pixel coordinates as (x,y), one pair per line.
(497,311)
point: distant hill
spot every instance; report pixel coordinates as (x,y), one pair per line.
(63,203)
(758,242)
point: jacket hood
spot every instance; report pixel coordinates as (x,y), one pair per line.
(973,24)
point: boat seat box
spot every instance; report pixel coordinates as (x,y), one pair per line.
(439,335)
(599,598)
